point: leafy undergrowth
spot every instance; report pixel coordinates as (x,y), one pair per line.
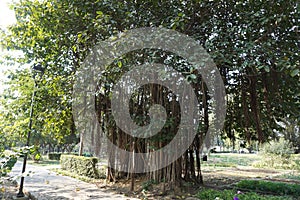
(276,188)
(210,194)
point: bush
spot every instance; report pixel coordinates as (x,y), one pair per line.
(80,165)
(277,154)
(276,188)
(282,148)
(209,194)
(54,156)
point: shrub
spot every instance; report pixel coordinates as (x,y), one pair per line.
(54,156)
(277,154)
(282,148)
(80,165)
(276,188)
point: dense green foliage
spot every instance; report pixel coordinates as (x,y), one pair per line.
(51,126)
(80,165)
(276,188)
(209,194)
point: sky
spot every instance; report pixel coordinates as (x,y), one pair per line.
(7,17)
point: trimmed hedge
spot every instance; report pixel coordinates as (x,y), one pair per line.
(54,156)
(80,165)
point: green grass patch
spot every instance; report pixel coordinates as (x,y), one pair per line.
(221,165)
(209,194)
(276,188)
(231,159)
(44,162)
(278,162)
(74,175)
(291,176)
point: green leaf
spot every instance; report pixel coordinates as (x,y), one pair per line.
(295,72)
(267,68)
(119,64)
(99,13)
(193,76)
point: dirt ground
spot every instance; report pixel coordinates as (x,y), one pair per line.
(8,189)
(213,178)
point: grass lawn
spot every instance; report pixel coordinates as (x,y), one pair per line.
(45,163)
(223,171)
(291,176)
(231,159)
(209,194)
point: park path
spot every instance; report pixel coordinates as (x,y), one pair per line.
(47,185)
